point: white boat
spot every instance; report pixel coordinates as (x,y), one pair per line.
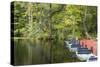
(67,44)
(92,58)
(83,54)
(74,47)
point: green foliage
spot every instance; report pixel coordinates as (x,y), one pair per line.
(42,20)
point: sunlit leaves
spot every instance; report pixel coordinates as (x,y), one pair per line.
(37,20)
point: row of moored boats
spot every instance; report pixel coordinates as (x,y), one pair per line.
(82,53)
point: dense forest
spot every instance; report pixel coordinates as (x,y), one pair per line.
(54,21)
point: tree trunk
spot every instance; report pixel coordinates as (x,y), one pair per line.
(84,25)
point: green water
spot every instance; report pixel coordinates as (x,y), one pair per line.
(41,52)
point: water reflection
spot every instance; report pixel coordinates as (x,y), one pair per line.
(40,52)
